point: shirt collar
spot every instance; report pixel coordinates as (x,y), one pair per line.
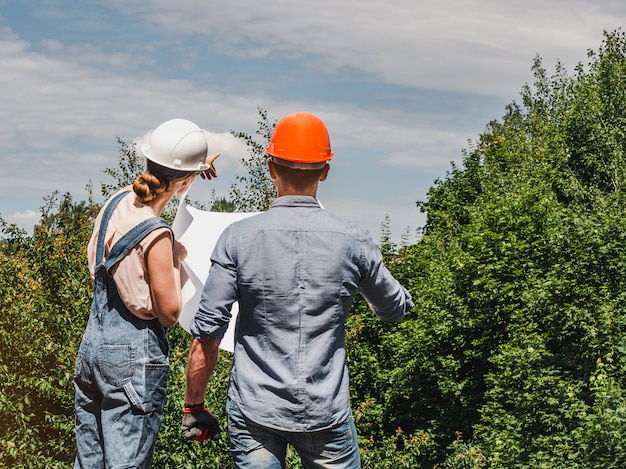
(295,201)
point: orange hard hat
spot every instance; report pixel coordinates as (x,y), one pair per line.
(300,137)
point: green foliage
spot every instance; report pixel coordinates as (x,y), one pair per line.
(222,204)
(44,299)
(466,455)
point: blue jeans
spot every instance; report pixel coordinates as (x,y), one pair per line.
(256,447)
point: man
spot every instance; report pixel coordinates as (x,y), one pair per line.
(294,270)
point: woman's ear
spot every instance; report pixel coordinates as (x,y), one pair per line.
(184,184)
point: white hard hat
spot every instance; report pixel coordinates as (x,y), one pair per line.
(177,144)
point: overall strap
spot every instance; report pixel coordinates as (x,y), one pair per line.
(104,222)
(130,239)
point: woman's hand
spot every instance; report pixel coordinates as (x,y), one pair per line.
(211,172)
(179,253)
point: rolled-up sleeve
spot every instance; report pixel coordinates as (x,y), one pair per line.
(385,295)
(218,295)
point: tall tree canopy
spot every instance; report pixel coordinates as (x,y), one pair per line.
(519,336)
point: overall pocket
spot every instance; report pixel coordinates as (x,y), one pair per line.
(117,363)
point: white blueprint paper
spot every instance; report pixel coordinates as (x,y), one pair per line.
(198,230)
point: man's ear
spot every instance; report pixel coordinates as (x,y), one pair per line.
(324,174)
(272,169)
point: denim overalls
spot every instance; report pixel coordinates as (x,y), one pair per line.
(121,369)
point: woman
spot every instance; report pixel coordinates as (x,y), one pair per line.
(135,263)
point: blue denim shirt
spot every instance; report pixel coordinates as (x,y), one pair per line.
(295,270)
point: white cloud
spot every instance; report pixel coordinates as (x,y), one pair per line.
(25,220)
(481,46)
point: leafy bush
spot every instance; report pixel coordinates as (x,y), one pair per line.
(44,299)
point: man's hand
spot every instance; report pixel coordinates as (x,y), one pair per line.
(199,424)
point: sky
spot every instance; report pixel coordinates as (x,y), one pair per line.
(403,86)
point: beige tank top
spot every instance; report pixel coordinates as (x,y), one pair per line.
(130,273)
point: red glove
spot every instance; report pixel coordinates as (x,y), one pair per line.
(199,424)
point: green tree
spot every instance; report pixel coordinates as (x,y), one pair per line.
(519,278)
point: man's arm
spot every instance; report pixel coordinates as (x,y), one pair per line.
(200,365)
(198,422)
